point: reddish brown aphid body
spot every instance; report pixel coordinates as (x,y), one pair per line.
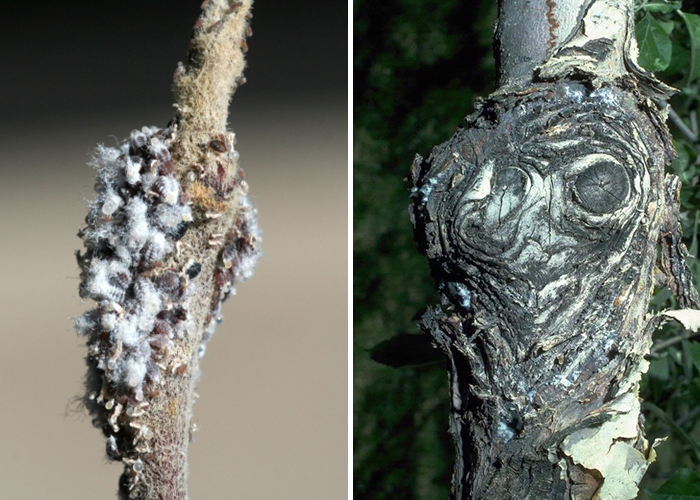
(168,281)
(218,145)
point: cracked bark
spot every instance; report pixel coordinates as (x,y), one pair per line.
(541,220)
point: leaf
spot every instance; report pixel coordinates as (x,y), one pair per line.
(662,496)
(667,26)
(662,7)
(687,358)
(684,484)
(679,62)
(659,369)
(693,249)
(692,22)
(655,45)
(690,199)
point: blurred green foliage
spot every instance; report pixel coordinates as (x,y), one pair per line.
(418,65)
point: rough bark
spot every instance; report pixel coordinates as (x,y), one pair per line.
(541,219)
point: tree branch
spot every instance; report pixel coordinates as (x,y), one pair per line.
(528,32)
(168,237)
(541,219)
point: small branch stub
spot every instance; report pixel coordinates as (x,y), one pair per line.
(169,235)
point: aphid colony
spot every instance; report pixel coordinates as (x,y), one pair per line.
(235,264)
(133,226)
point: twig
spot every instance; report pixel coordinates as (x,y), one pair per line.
(658,347)
(694,122)
(168,237)
(688,416)
(678,122)
(214,70)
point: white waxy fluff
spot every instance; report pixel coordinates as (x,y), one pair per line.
(135,372)
(109,321)
(169,216)
(158,246)
(138,230)
(131,230)
(132,172)
(147,296)
(126,331)
(186,214)
(112,203)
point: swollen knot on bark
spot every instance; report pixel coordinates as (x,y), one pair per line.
(541,219)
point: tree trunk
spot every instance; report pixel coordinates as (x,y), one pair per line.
(541,219)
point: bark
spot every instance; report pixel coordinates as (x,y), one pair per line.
(541,220)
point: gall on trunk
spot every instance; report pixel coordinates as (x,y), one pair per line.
(540,219)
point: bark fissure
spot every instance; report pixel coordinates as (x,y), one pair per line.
(541,220)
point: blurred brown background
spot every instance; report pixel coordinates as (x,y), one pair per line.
(273,406)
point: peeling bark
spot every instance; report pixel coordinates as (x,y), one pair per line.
(541,220)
